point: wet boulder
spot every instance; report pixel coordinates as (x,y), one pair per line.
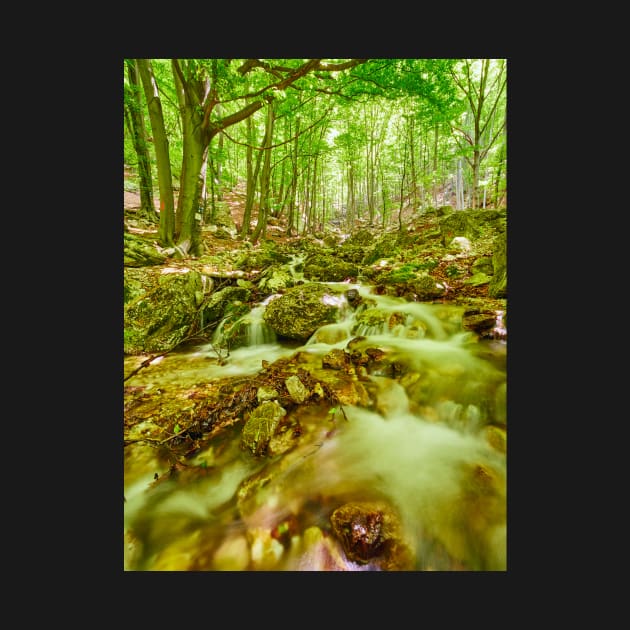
(370,532)
(425,287)
(328,268)
(387,246)
(297,390)
(261,426)
(222,302)
(260,258)
(360,238)
(160,319)
(479,321)
(336,359)
(483,264)
(302,310)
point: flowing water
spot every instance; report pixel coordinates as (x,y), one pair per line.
(430,446)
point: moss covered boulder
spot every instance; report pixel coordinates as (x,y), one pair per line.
(160,319)
(387,246)
(223,303)
(328,268)
(461,223)
(498,285)
(302,310)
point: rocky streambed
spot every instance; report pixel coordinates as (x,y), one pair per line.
(375,441)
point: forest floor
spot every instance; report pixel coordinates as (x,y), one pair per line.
(235,199)
(276,232)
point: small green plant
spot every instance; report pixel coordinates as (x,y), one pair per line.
(428,264)
(452,271)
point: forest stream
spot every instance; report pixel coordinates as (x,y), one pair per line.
(382,446)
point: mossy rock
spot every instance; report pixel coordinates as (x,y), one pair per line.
(302,310)
(360,238)
(161,319)
(328,268)
(261,258)
(426,288)
(220,302)
(385,247)
(498,285)
(261,426)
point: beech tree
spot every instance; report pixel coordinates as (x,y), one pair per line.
(162,156)
(345,139)
(137,128)
(482,82)
(201,86)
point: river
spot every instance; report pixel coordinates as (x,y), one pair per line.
(417,475)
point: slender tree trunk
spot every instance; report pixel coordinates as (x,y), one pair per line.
(209,217)
(475,179)
(265,178)
(279,192)
(312,212)
(219,169)
(160,142)
(305,197)
(350,204)
(196,142)
(140,143)
(435,166)
(294,180)
(402,194)
(412,163)
(252,180)
(459,186)
(384,196)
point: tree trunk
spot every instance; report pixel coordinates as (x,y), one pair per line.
(414,175)
(252,180)
(351,202)
(160,142)
(294,180)
(219,169)
(312,212)
(402,185)
(435,166)
(265,177)
(459,186)
(209,217)
(140,143)
(196,142)
(384,196)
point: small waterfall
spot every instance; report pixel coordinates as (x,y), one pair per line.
(247,331)
(258,332)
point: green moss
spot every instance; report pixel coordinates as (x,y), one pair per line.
(397,276)
(452,271)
